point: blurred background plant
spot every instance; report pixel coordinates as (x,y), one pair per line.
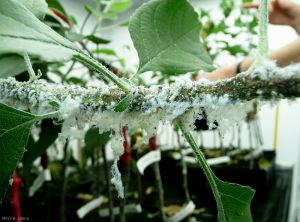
(229,30)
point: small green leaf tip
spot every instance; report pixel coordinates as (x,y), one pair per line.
(124,104)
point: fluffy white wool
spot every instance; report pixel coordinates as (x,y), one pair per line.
(161,104)
(116,179)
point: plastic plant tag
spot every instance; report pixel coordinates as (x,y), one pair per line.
(147,160)
(254,154)
(87,208)
(183,213)
(218,160)
(43,177)
(130,208)
(37,184)
(47,175)
(187,151)
(234,152)
(211,162)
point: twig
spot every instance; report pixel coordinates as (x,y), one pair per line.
(214,140)
(64,184)
(109,186)
(251,150)
(201,139)
(239,144)
(63,79)
(97,172)
(85,22)
(135,153)
(44,163)
(250,136)
(220,140)
(259,133)
(184,171)
(125,161)
(232,138)
(99,20)
(153,147)
(74,62)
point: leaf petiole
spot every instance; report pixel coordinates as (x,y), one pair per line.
(92,63)
(233,200)
(203,163)
(47,116)
(32,75)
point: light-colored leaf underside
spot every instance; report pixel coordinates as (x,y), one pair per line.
(37,7)
(11,65)
(166,36)
(21,32)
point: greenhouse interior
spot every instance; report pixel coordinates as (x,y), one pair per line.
(150,110)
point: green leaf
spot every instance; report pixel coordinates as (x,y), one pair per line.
(124,104)
(105,51)
(221,27)
(11,65)
(165,34)
(75,80)
(89,9)
(49,133)
(236,49)
(94,140)
(55,4)
(74,37)
(72,19)
(122,62)
(37,7)
(236,201)
(54,104)
(97,40)
(108,15)
(21,32)
(120,5)
(15,128)
(233,200)
(125,23)
(227,6)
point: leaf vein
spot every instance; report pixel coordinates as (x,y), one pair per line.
(168,46)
